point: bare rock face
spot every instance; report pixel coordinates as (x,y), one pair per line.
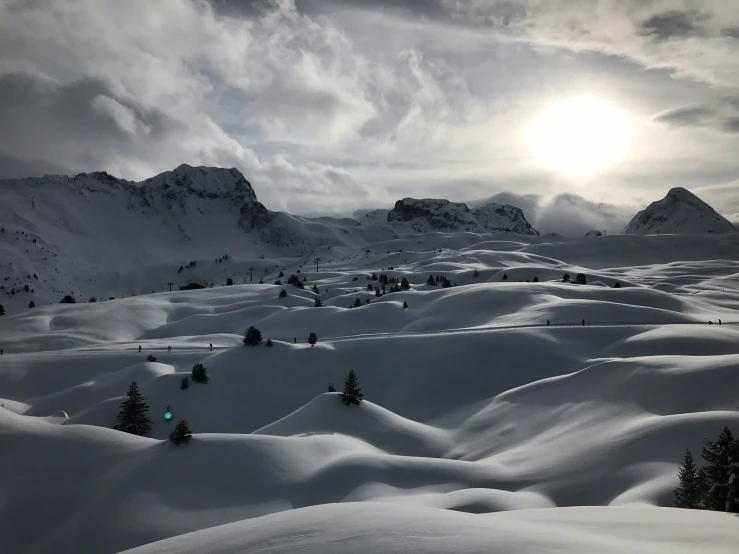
(430,215)
(680,212)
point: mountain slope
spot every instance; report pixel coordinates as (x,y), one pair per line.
(680,212)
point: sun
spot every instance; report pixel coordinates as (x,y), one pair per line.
(580,136)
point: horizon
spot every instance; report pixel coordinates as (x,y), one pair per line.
(580,115)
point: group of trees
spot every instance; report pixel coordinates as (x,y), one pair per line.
(435,281)
(253,337)
(715,485)
(132,418)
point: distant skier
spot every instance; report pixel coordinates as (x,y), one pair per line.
(295,340)
(211,347)
(1,351)
(583,323)
(139,348)
(548,323)
(719,322)
(169,349)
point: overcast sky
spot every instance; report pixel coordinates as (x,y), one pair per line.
(329,106)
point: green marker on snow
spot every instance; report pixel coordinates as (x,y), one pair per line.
(168,415)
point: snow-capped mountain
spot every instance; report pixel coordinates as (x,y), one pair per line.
(429,215)
(680,212)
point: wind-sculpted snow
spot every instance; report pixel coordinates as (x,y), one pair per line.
(511,411)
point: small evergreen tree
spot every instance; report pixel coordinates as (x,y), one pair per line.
(281,274)
(315,289)
(566,278)
(199,374)
(252,337)
(536,279)
(377,292)
(404,284)
(331,387)
(31,304)
(357,303)
(181,433)
(475,273)
(312,339)
(352,393)
(719,456)
(505,276)
(184,383)
(283,293)
(151,358)
(2,310)
(229,282)
(430,281)
(405,304)
(132,415)
(689,493)
(580,279)
(268,344)
(617,285)
(68,299)
(318,303)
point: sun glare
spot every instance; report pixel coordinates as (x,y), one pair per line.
(581,136)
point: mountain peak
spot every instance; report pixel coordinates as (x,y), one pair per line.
(429,214)
(679,212)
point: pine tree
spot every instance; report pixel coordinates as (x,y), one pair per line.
(312,339)
(318,303)
(132,416)
(31,304)
(404,284)
(405,304)
(229,282)
(352,393)
(430,281)
(331,387)
(252,337)
(580,279)
(689,493)
(475,273)
(566,278)
(268,344)
(199,374)
(719,457)
(505,276)
(181,433)
(315,289)
(357,303)
(536,279)
(617,285)
(283,293)
(184,383)
(151,358)
(2,310)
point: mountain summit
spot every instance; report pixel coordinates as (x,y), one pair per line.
(442,215)
(680,212)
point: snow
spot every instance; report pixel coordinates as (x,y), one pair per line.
(482,430)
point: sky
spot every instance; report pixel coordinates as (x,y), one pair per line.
(581,112)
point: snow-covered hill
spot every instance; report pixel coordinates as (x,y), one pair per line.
(680,212)
(442,215)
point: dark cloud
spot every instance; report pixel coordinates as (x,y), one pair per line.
(673,24)
(81,125)
(732,32)
(722,115)
(687,116)
(12,167)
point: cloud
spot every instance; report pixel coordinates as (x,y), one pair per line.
(673,24)
(722,115)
